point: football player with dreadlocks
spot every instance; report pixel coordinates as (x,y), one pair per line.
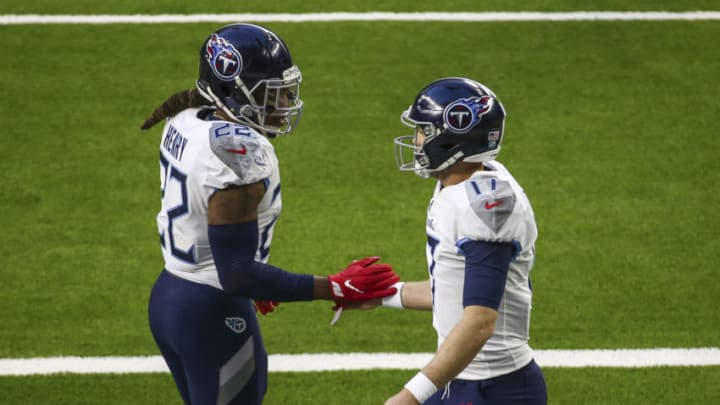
(220,188)
(480,249)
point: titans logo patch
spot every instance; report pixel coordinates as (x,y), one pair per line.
(236,324)
(223,58)
(462,115)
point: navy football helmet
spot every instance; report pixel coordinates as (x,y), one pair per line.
(460,120)
(246,70)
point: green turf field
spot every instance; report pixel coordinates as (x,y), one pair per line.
(612,130)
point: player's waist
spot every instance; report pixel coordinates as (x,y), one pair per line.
(206,275)
(489,364)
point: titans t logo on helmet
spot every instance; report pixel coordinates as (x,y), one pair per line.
(462,115)
(224,59)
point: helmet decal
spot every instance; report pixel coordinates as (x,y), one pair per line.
(224,59)
(462,115)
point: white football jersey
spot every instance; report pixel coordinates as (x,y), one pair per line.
(489,206)
(197,158)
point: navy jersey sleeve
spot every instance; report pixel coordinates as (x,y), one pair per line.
(486,267)
(234,247)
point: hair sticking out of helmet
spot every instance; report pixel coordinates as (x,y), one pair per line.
(459,119)
(246,71)
(174,104)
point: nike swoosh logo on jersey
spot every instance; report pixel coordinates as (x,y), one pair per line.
(238,151)
(489,206)
(352,287)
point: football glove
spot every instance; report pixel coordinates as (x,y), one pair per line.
(362,280)
(265,307)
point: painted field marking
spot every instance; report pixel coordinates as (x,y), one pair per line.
(24,19)
(624,358)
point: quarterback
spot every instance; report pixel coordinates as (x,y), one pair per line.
(220,200)
(480,249)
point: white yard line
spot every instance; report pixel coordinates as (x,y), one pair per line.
(625,358)
(15,19)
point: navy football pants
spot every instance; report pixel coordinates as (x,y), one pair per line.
(525,386)
(210,341)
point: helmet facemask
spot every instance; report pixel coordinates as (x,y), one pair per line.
(272,106)
(412,155)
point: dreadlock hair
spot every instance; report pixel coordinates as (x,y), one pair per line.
(174,104)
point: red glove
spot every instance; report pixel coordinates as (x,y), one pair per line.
(363,280)
(265,307)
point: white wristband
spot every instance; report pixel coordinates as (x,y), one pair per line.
(421,387)
(395,300)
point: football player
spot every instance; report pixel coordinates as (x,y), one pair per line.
(480,249)
(220,200)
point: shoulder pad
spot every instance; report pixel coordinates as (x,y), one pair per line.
(242,149)
(492,200)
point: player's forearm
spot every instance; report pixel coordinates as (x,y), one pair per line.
(321,289)
(417,295)
(234,247)
(461,346)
